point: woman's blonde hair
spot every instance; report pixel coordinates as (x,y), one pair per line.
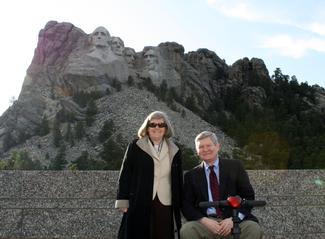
(143,130)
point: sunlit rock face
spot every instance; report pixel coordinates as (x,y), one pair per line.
(129,84)
(101,56)
(68,61)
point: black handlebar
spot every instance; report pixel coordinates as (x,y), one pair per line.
(225,203)
(234,203)
(253,203)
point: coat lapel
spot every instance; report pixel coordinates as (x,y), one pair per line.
(222,179)
(203,184)
(145,146)
(168,147)
(173,149)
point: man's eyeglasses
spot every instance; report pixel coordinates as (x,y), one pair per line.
(154,125)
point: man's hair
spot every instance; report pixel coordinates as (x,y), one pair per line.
(206,134)
(143,130)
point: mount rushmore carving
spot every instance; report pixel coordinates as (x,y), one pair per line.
(68,61)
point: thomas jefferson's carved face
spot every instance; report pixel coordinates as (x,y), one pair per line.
(117,45)
(100,37)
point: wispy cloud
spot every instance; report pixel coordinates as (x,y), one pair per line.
(239,9)
(275,12)
(292,47)
(246,10)
(317,27)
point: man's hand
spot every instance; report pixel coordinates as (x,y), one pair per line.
(211,224)
(225,226)
(222,228)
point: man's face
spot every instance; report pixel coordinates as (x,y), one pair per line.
(99,37)
(117,46)
(150,58)
(207,150)
(129,57)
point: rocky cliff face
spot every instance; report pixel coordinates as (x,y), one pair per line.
(128,85)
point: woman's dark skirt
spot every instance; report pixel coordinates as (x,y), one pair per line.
(162,223)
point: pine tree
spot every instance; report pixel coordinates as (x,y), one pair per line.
(44,128)
(85,162)
(80,130)
(106,131)
(8,141)
(112,154)
(59,161)
(56,133)
(22,161)
(68,137)
(91,111)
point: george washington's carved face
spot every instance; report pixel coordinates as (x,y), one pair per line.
(100,37)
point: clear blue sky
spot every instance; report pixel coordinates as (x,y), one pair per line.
(289,34)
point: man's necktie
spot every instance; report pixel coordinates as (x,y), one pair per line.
(214,187)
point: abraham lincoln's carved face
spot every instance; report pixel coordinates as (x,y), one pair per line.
(151,59)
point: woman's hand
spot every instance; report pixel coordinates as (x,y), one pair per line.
(123,209)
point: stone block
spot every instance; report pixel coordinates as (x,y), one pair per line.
(10,223)
(27,203)
(68,184)
(273,182)
(70,223)
(80,204)
(311,219)
(279,220)
(310,182)
(10,184)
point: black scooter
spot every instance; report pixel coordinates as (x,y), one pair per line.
(235,203)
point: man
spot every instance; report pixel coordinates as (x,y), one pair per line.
(100,48)
(151,58)
(228,178)
(117,45)
(129,55)
(100,37)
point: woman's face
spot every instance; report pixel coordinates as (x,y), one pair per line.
(156,129)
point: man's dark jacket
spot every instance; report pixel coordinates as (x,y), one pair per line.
(233,180)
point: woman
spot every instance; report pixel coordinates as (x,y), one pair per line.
(150,183)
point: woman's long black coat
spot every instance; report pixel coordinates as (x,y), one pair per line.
(136,185)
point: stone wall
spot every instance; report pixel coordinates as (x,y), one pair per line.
(79,204)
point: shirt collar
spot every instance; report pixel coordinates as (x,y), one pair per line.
(216,164)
